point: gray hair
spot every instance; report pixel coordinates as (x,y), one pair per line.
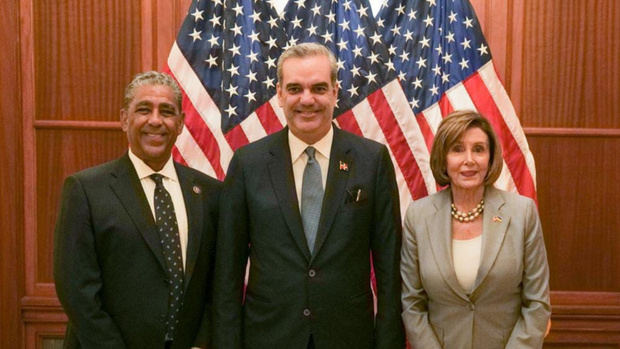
(152,78)
(309,49)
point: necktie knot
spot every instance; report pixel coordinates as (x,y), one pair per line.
(157,178)
(310,151)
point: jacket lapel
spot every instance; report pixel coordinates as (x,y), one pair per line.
(283,183)
(494,225)
(335,187)
(128,189)
(438,229)
(192,195)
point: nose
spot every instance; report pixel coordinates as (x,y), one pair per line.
(469,158)
(306,97)
(155,118)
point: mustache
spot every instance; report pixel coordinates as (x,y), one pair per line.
(159,131)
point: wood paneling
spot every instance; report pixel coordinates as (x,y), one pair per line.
(44,334)
(76,58)
(84,54)
(11,184)
(52,343)
(571,64)
(578,188)
(502,26)
(496,20)
(165,20)
(577,345)
(560,62)
(60,153)
(585,320)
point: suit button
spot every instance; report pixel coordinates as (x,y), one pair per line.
(311,273)
(307,312)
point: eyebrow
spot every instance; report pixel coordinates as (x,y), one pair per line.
(319,84)
(144,103)
(150,104)
(475,143)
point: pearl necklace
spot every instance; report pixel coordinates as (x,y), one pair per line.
(466,217)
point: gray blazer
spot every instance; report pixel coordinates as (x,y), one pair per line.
(509,304)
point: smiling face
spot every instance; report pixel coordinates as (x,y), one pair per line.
(467,160)
(307,96)
(152,122)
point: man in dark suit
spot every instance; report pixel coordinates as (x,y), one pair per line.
(309,220)
(135,237)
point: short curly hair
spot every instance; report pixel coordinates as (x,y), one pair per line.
(450,130)
(152,78)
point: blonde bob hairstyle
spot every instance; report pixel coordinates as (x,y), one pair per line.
(450,131)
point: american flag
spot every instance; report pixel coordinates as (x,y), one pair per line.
(398,73)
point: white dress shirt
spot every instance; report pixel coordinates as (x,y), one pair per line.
(299,158)
(172,185)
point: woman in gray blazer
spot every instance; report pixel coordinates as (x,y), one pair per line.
(474,266)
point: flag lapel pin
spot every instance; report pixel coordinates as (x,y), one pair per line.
(497,219)
(343,166)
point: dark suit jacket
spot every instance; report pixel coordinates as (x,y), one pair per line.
(291,292)
(108,264)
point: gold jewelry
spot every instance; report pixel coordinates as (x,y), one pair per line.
(466,217)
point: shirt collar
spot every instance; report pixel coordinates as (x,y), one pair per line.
(143,170)
(323,146)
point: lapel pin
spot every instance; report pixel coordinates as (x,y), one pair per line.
(343,166)
(497,219)
(196,189)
